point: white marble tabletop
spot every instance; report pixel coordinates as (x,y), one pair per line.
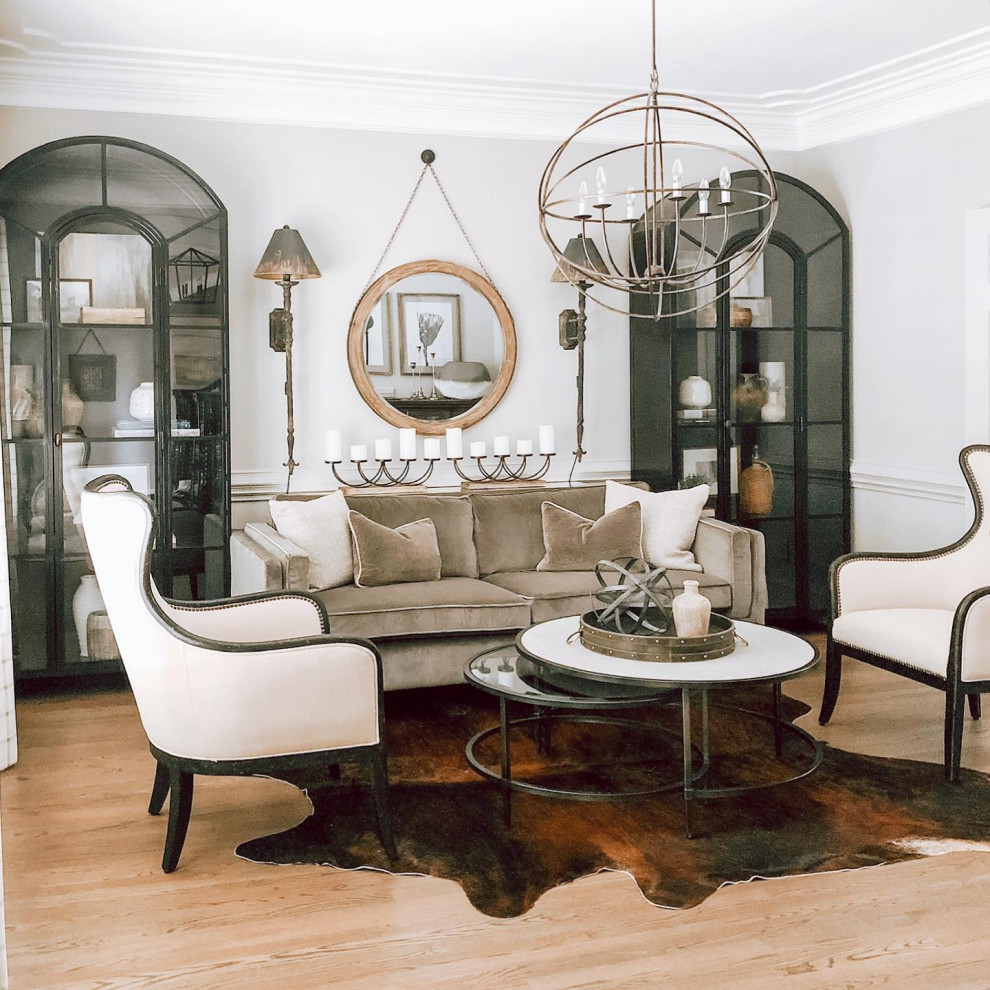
(771,655)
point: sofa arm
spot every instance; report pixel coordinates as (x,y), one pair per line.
(252,568)
(293,560)
(737,556)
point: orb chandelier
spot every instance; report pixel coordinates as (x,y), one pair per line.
(669,244)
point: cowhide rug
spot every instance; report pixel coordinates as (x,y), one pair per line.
(854,811)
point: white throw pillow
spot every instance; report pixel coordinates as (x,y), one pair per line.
(319,527)
(670,520)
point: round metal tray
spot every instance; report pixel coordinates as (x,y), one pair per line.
(654,648)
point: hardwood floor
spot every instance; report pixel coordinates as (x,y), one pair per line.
(87,905)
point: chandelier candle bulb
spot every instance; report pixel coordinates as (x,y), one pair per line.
(524,448)
(407,444)
(677,180)
(333,449)
(500,446)
(703,194)
(479,448)
(548,441)
(455,443)
(431,449)
(582,210)
(359,453)
(601,181)
(630,206)
(725,183)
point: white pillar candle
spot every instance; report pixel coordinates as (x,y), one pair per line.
(359,452)
(548,442)
(479,448)
(524,448)
(407,444)
(500,446)
(333,449)
(455,443)
(431,449)
(383,450)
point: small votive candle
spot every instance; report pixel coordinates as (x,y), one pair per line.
(500,446)
(359,452)
(431,449)
(383,450)
(479,448)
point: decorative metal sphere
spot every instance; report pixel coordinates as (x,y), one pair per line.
(631,596)
(618,214)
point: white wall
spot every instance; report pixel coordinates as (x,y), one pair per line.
(905,194)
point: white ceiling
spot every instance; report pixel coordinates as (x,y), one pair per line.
(765,55)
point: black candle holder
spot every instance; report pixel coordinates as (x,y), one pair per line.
(502,472)
(383,477)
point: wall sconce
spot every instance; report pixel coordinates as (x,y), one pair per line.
(286,261)
(572,326)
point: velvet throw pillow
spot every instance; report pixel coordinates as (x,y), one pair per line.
(383,555)
(318,526)
(574,543)
(670,521)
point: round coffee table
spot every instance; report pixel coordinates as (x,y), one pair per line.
(567,669)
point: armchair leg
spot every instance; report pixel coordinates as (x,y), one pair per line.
(159,790)
(833,678)
(379,780)
(975,707)
(179,809)
(953,730)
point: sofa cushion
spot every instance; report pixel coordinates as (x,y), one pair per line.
(451,514)
(574,543)
(508,526)
(450,605)
(557,593)
(318,526)
(918,637)
(383,555)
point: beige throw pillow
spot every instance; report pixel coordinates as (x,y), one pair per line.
(670,520)
(574,543)
(393,556)
(318,526)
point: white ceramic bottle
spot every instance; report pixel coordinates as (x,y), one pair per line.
(86,599)
(142,403)
(692,610)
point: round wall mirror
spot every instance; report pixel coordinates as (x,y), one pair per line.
(431,345)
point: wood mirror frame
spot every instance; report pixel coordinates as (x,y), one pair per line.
(355,349)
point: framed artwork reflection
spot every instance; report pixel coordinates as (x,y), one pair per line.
(701,463)
(429,329)
(378,338)
(73,295)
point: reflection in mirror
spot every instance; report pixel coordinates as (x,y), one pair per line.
(434,342)
(104,277)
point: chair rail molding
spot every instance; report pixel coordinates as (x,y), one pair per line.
(909,482)
(977,309)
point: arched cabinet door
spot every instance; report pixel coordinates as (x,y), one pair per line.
(113,300)
(750,394)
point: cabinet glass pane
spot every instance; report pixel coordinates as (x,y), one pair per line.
(21,291)
(695,357)
(781,581)
(803,217)
(765,297)
(157,189)
(762,382)
(134,459)
(24,370)
(197,381)
(825,286)
(826,473)
(27,506)
(824,388)
(101,369)
(759,494)
(195,275)
(825,543)
(198,478)
(105,276)
(30,609)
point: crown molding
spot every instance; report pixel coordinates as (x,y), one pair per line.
(38,72)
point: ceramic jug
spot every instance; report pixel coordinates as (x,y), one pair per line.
(692,610)
(749,397)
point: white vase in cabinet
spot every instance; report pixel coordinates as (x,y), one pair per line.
(142,404)
(86,599)
(692,610)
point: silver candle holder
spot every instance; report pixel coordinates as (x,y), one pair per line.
(383,477)
(502,472)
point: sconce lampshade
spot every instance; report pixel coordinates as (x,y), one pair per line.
(581,250)
(286,254)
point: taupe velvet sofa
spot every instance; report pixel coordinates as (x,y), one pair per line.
(489,589)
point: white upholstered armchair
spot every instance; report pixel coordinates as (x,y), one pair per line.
(250,685)
(925,616)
